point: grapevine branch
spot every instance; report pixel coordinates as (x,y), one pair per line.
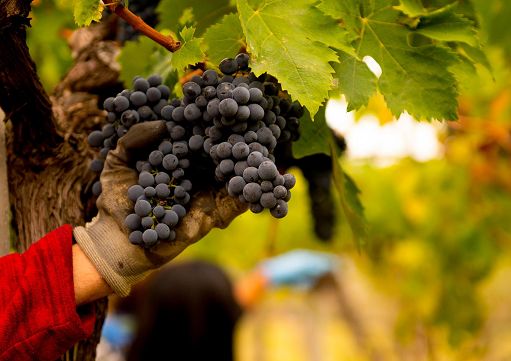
(124,13)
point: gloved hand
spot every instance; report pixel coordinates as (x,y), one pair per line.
(105,239)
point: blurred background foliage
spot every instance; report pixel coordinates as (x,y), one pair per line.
(440,231)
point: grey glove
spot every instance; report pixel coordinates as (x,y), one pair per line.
(105,239)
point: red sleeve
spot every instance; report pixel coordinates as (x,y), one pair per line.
(38,316)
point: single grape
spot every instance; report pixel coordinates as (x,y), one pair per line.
(130,117)
(224,90)
(96,165)
(185,200)
(165,147)
(135,191)
(255,158)
(267,170)
(96,139)
(236,185)
(210,77)
(212,107)
(121,104)
(280,210)
(177,132)
(256,207)
(192,112)
(280,192)
(96,188)
(250,137)
(150,237)
(163,231)
(226,166)
(179,192)
(162,190)
(108,130)
(243,113)
(147,222)
(228,107)
(170,162)
(186,184)
(138,98)
(241,81)
(170,218)
(289,180)
(278,181)
(191,90)
(255,95)
(250,175)
(180,149)
(145,179)
(196,142)
(180,210)
(201,101)
(146,113)
(241,95)
(108,104)
(155,158)
(209,92)
(252,192)
(149,192)
(267,186)
(166,112)
(142,208)
(153,94)
(256,112)
(135,237)
(162,178)
(184,163)
(158,211)
(242,60)
(141,84)
(240,150)
(178,173)
(178,114)
(240,167)
(228,66)
(268,200)
(224,150)
(164,90)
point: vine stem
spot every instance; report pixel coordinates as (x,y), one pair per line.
(124,13)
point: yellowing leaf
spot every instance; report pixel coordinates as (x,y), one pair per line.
(87,11)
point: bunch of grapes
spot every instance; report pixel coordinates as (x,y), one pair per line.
(227,126)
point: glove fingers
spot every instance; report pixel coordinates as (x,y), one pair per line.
(142,135)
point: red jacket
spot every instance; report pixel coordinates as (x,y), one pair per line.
(39,319)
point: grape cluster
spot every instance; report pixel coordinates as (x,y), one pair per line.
(127,108)
(227,126)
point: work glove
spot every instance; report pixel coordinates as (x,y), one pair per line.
(105,239)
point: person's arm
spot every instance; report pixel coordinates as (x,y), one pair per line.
(39,317)
(88,283)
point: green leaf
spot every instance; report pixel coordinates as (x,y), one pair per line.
(476,55)
(224,39)
(445,25)
(356,81)
(157,62)
(347,10)
(314,135)
(414,79)
(190,52)
(350,202)
(87,11)
(173,14)
(284,41)
(411,8)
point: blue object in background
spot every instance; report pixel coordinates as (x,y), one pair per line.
(298,267)
(118,330)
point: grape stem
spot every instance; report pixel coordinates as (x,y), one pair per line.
(124,13)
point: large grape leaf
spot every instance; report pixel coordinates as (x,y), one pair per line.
(414,79)
(224,39)
(285,41)
(173,14)
(87,11)
(314,136)
(446,25)
(356,81)
(190,51)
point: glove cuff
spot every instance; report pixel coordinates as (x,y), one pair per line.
(101,241)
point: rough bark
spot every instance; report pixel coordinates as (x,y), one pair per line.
(47,151)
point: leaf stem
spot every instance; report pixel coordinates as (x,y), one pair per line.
(124,13)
